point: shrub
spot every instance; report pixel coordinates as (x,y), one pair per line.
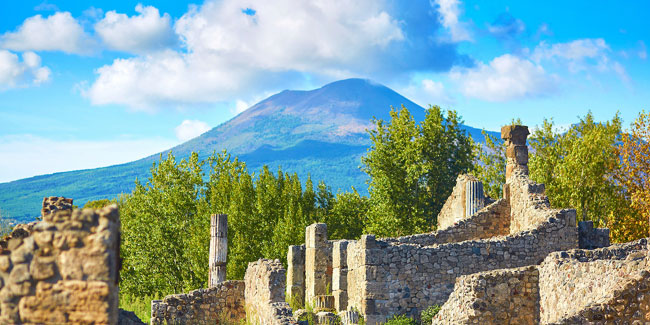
(429,313)
(401,320)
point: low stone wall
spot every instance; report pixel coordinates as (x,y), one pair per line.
(66,271)
(630,304)
(264,293)
(528,204)
(509,296)
(586,279)
(491,221)
(221,304)
(386,278)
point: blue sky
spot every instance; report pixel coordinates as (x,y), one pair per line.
(86,85)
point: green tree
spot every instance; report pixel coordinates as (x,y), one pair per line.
(158,220)
(98,204)
(577,166)
(490,165)
(346,218)
(413,168)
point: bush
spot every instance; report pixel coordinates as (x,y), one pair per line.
(141,306)
(401,320)
(429,313)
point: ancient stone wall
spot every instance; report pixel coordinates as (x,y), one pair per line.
(509,296)
(597,280)
(385,278)
(318,262)
(264,293)
(461,203)
(491,221)
(340,274)
(529,206)
(590,237)
(65,271)
(221,304)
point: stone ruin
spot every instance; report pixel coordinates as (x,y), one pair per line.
(63,269)
(492,261)
(510,260)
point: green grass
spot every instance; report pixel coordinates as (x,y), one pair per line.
(141,306)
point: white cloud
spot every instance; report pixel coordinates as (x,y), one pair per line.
(58,32)
(22,155)
(241,106)
(428,92)
(137,34)
(506,77)
(229,54)
(449,13)
(190,129)
(17,73)
(580,55)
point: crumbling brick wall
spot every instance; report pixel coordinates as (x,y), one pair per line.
(264,293)
(65,271)
(221,304)
(509,296)
(598,280)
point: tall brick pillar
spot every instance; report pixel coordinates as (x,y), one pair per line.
(318,262)
(516,150)
(218,249)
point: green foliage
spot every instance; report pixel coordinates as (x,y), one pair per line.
(428,314)
(5,224)
(140,305)
(577,166)
(98,204)
(490,167)
(400,320)
(412,169)
(166,222)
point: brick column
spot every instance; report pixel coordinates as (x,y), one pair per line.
(218,249)
(516,151)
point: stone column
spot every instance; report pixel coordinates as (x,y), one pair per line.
(296,274)
(474,198)
(318,262)
(516,151)
(218,249)
(340,274)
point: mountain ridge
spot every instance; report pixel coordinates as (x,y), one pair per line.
(320,132)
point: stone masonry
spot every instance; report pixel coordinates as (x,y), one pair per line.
(220,304)
(264,293)
(65,271)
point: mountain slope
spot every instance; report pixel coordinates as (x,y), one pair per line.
(321,132)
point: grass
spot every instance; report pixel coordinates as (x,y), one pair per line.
(141,306)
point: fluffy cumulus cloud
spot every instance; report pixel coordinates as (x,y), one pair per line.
(15,72)
(449,17)
(232,48)
(58,32)
(505,78)
(142,33)
(190,129)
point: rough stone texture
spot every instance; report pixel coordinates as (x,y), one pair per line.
(221,304)
(296,274)
(264,293)
(508,296)
(318,261)
(516,149)
(491,221)
(385,279)
(340,274)
(65,271)
(596,282)
(590,237)
(455,208)
(55,203)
